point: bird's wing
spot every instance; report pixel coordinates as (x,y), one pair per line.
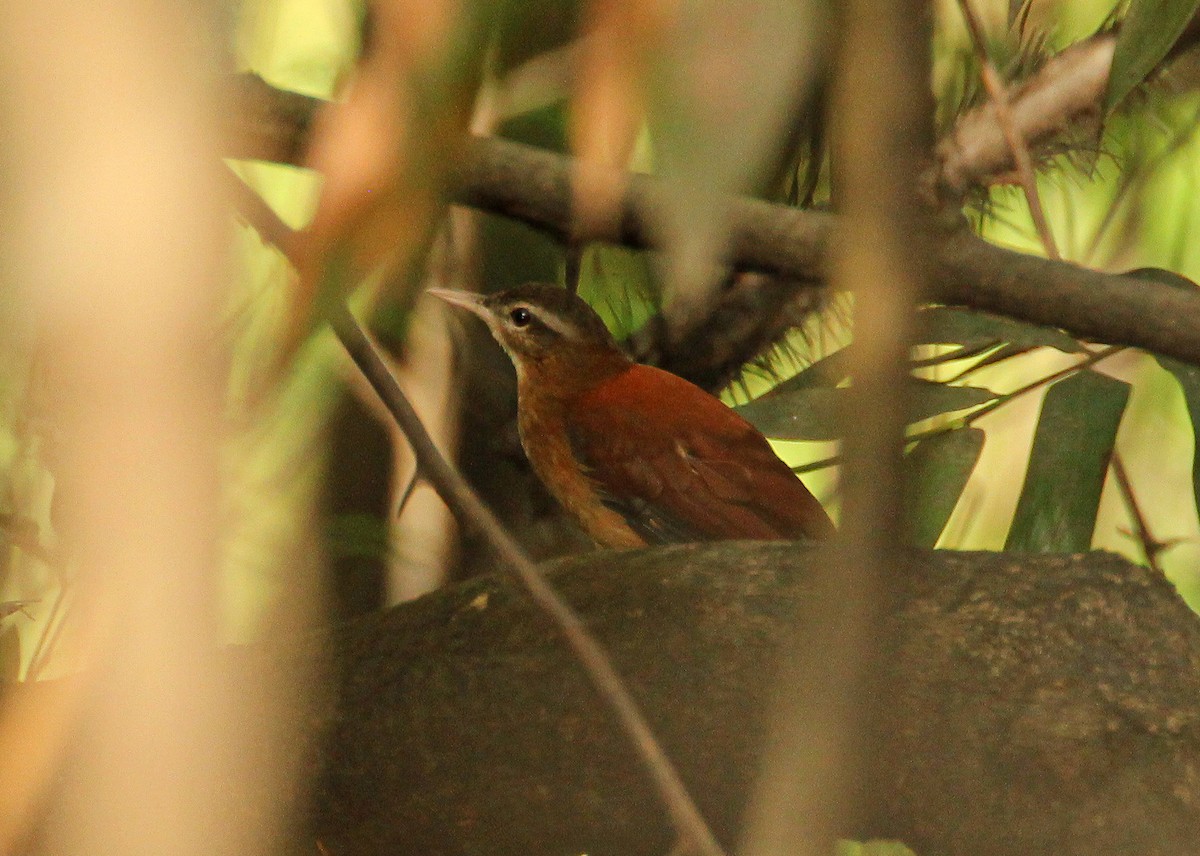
(681,466)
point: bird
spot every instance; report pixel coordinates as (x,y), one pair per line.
(636,455)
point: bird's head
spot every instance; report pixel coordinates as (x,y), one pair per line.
(541,326)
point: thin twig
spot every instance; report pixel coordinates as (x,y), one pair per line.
(983,409)
(269,225)
(1151,546)
(471,512)
(409,490)
(1008,397)
(431,466)
(998,95)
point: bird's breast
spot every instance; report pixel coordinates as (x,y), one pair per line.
(547,444)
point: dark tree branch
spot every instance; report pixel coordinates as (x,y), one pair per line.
(1035,706)
(751,314)
(530,185)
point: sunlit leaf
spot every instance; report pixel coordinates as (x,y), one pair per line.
(927,399)
(1149,30)
(618,283)
(1067,467)
(938,470)
(816,413)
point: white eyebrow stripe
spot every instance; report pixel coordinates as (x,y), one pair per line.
(559,325)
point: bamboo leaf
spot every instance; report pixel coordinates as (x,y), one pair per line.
(950,325)
(1188,377)
(1068,464)
(938,469)
(1150,29)
(1166,277)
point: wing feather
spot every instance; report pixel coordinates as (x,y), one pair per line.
(680,465)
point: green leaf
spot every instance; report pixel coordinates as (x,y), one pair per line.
(938,469)
(1166,277)
(826,372)
(1150,29)
(815,413)
(1068,464)
(927,398)
(358,536)
(950,325)
(973,332)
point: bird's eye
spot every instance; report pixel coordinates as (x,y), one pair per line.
(520,316)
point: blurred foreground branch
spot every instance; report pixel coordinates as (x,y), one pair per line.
(1037,705)
(532,186)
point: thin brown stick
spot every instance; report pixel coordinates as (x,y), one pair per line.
(998,95)
(260,215)
(1151,546)
(471,512)
(983,409)
(466,506)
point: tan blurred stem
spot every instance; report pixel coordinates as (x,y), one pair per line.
(998,96)
(36,721)
(881,134)
(114,241)
(608,107)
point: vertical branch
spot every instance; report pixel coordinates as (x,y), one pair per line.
(998,96)
(882,135)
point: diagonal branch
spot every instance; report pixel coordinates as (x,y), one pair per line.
(530,185)
(694,833)
(1017,147)
(432,466)
(1067,90)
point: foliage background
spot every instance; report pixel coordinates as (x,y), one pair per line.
(1128,203)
